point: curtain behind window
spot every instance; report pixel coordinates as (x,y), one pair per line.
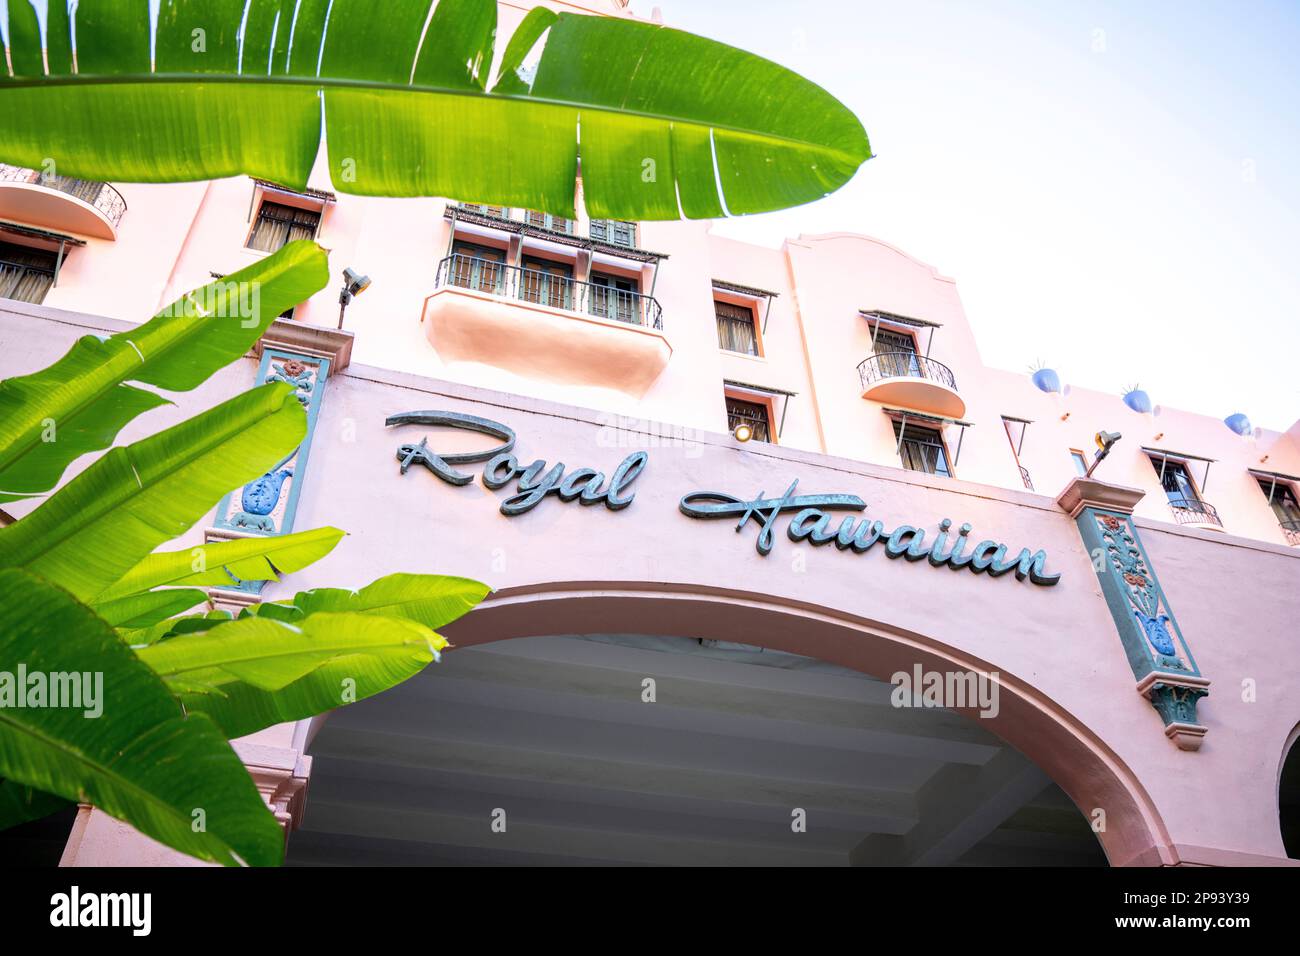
(277,225)
(736,328)
(26,274)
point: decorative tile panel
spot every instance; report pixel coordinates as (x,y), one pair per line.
(1157,652)
(269,504)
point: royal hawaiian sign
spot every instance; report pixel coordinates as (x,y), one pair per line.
(811,520)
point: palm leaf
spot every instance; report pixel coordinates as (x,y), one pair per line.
(79,403)
(656,115)
(256,672)
(103,522)
(142,761)
(226,562)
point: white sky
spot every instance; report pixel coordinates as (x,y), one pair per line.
(1113,185)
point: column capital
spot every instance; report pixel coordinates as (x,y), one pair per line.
(291,336)
(1083,493)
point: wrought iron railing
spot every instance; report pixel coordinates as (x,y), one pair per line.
(546,288)
(1194,511)
(884,365)
(1291,528)
(100,195)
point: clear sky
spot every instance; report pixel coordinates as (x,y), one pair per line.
(1114,185)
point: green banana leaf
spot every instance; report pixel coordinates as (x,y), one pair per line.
(256,672)
(106,520)
(430,599)
(20,803)
(141,760)
(78,404)
(149,608)
(226,562)
(656,115)
(185,624)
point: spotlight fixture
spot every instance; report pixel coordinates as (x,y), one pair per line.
(742,432)
(1105,442)
(354,283)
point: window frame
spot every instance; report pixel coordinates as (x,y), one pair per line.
(474,280)
(1180,464)
(765,402)
(261,201)
(897,423)
(1007,421)
(548,221)
(52,271)
(1268,487)
(914,366)
(739,303)
(1080,460)
(610,227)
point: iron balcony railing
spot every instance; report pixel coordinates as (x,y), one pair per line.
(1194,511)
(884,365)
(1291,528)
(550,289)
(100,195)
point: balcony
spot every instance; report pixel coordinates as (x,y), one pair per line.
(1195,513)
(545,326)
(79,206)
(912,381)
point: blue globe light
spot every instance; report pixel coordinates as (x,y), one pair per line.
(1239,423)
(1139,401)
(1046,380)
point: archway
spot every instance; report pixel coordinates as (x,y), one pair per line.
(1057,744)
(1288,795)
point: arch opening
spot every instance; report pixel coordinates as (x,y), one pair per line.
(757,710)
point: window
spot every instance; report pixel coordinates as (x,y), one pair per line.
(544,220)
(497,211)
(615,232)
(896,354)
(921,448)
(481,268)
(1281,498)
(615,297)
(26,274)
(277,225)
(1080,462)
(737,330)
(547,283)
(1177,482)
(754,414)
(1015,429)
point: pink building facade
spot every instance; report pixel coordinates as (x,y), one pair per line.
(647,685)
